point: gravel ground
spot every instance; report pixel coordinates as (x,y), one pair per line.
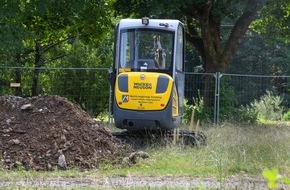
(234,182)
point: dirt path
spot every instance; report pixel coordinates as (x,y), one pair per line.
(235,182)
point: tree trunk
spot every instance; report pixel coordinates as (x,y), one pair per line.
(208,41)
(37,65)
(18,90)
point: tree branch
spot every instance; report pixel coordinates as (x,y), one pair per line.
(55,58)
(48,47)
(240,28)
(193,37)
(206,34)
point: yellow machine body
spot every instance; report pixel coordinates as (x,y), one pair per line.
(148,76)
(144,91)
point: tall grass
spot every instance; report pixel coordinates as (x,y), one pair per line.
(231,149)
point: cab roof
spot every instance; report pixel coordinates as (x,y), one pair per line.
(153,23)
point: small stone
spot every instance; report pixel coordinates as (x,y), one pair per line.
(14,142)
(7,130)
(63,138)
(18,163)
(62,162)
(49,166)
(126,160)
(27,107)
(8,121)
(135,156)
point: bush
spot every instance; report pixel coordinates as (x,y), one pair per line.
(246,114)
(286,116)
(200,112)
(228,100)
(268,107)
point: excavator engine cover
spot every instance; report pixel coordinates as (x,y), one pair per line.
(143,100)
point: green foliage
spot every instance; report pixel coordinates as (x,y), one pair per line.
(200,112)
(257,57)
(273,178)
(246,114)
(200,17)
(232,149)
(228,99)
(87,86)
(274,20)
(267,108)
(286,116)
(188,109)
(38,34)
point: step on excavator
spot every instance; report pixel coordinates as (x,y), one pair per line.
(147,80)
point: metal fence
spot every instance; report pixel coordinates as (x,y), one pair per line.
(89,87)
(235,90)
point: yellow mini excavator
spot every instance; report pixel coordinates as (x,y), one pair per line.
(147,78)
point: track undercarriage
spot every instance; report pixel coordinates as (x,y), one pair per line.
(151,138)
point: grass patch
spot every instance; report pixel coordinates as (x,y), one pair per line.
(231,149)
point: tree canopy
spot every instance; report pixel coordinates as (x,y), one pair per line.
(203,20)
(35,34)
(77,33)
(31,29)
(273,21)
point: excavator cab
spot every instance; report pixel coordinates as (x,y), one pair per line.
(147,76)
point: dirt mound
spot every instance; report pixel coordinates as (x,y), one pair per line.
(46,131)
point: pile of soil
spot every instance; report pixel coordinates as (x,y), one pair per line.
(46,132)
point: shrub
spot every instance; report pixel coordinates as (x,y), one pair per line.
(268,107)
(200,112)
(286,116)
(228,100)
(246,114)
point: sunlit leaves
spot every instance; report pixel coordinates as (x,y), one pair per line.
(273,21)
(273,178)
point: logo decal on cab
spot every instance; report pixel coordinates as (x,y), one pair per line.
(125,98)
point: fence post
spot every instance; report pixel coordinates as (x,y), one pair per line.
(217,76)
(215,100)
(110,102)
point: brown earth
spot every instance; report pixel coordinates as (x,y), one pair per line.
(44,132)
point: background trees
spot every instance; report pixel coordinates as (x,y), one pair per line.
(63,33)
(273,21)
(73,33)
(203,20)
(34,29)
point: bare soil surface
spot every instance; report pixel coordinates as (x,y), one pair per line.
(46,132)
(168,182)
